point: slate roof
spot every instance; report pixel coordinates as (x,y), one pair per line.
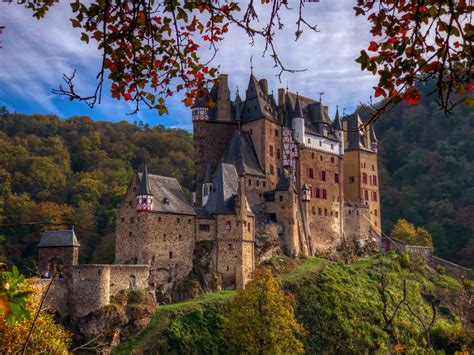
(258,103)
(224,193)
(208,173)
(317,119)
(337,125)
(59,238)
(168,197)
(355,137)
(241,152)
(284,181)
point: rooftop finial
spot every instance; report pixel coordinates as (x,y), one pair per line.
(343,111)
(251,64)
(321,93)
(287,86)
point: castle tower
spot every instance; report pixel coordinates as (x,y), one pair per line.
(58,249)
(144,198)
(361,181)
(213,126)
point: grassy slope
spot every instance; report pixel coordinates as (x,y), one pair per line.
(332,298)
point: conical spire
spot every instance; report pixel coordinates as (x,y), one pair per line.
(208,174)
(298,112)
(337,121)
(145,188)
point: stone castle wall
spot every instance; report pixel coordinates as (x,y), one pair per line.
(323,215)
(356,222)
(57,297)
(67,255)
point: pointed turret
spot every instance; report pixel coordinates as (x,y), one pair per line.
(297,112)
(337,125)
(144,195)
(373,139)
(207,184)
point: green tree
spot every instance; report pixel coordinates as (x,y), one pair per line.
(408,233)
(261,319)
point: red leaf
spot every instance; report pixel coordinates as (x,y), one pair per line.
(412,96)
(373,46)
(379,91)
(469,87)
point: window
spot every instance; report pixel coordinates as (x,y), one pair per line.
(132,220)
(332,146)
(134,189)
(312,155)
(272,170)
(258,182)
(322,175)
(164,237)
(281,198)
(374,196)
(375,212)
(351,179)
(337,214)
(332,160)
(325,197)
(320,143)
(374,180)
(189,221)
(314,210)
(271,151)
(364,178)
(263,183)
(278,153)
(276,133)
(321,158)
(129,234)
(171,255)
(318,193)
(320,211)
(250,182)
(206,190)
(248,226)
(336,178)
(373,167)
(179,236)
(311,173)
(227,268)
(178,220)
(204,227)
(325,211)
(159,219)
(251,131)
(309,141)
(228,225)
(231,247)
(366,195)
(123,219)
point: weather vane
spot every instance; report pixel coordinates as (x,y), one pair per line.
(321,93)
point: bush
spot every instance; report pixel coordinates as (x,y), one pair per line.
(404,260)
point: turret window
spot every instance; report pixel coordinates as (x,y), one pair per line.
(271,151)
(336,178)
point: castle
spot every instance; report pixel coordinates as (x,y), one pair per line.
(263,166)
(259,162)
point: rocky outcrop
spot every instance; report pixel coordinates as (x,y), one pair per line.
(268,242)
(103,329)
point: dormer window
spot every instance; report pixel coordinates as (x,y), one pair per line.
(166,201)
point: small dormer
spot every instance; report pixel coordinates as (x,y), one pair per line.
(207,184)
(144,195)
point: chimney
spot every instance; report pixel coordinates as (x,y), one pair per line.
(223,98)
(281,97)
(264,85)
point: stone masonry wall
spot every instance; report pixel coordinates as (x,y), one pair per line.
(201,229)
(68,256)
(57,296)
(123,277)
(356,222)
(90,288)
(323,214)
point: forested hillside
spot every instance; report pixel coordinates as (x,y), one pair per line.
(75,171)
(427,173)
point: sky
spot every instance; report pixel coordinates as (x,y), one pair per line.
(35,55)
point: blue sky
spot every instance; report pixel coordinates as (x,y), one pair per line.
(35,54)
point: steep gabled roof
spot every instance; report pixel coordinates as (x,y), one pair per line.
(168,195)
(241,152)
(59,238)
(297,112)
(224,193)
(257,103)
